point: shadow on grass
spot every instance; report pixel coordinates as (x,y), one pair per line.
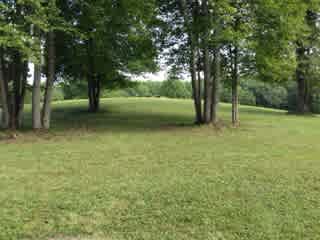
(133,116)
(113,119)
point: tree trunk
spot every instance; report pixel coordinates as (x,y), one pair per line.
(17,96)
(235,83)
(24,80)
(4,95)
(207,71)
(196,86)
(94,94)
(93,80)
(36,98)
(216,86)
(303,94)
(193,39)
(46,111)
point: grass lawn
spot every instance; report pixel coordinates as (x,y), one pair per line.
(140,170)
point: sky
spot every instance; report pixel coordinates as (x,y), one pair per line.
(158,76)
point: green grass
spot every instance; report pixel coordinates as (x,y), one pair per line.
(140,170)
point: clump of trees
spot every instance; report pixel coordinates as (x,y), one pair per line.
(228,40)
(99,46)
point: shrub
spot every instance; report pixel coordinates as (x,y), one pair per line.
(114,93)
(266,94)
(246,97)
(57,94)
(175,89)
(143,90)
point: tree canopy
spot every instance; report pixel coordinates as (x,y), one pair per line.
(103,43)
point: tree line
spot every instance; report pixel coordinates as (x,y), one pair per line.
(252,92)
(102,44)
(225,40)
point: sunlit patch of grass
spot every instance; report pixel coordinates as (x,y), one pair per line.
(140,169)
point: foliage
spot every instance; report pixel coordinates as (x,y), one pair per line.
(268,94)
(175,89)
(74,89)
(114,41)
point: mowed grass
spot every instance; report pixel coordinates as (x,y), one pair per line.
(139,169)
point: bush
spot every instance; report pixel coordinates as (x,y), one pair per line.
(114,93)
(246,97)
(225,95)
(75,90)
(57,94)
(315,106)
(266,94)
(292,96)
(143,90)
(175,89)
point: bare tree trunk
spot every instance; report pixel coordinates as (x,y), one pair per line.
(195,87)
(91,94)
(216,86)
(193,40)
(207,88)
(46,111)
(36,98)
(4,95)
(235,83)
(303,103)
(199,87)
(16,97)
(207,70)
(13,105)
(94,94)
(93,81)
(24,77)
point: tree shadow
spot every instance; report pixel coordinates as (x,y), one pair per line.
(113,119)
(134,115)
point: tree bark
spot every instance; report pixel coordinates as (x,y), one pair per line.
(36,98)
(303,94)
(216,86)
(46,111)
(93,80)
(207,70)
(24,80)
(196,86)
(17,96)
(4,95)
(234,87)
(193,39)
(94,94)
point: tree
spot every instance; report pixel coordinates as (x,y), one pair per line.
(17,47)
(307,44)
(238,40)
(56,22)
(285,36)
(192,37)
(115,40)
(36,97)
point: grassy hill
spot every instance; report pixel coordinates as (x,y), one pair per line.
(139,169)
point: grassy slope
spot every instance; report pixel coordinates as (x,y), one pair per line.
(139,170)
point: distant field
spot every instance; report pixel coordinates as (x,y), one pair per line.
(139,169)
